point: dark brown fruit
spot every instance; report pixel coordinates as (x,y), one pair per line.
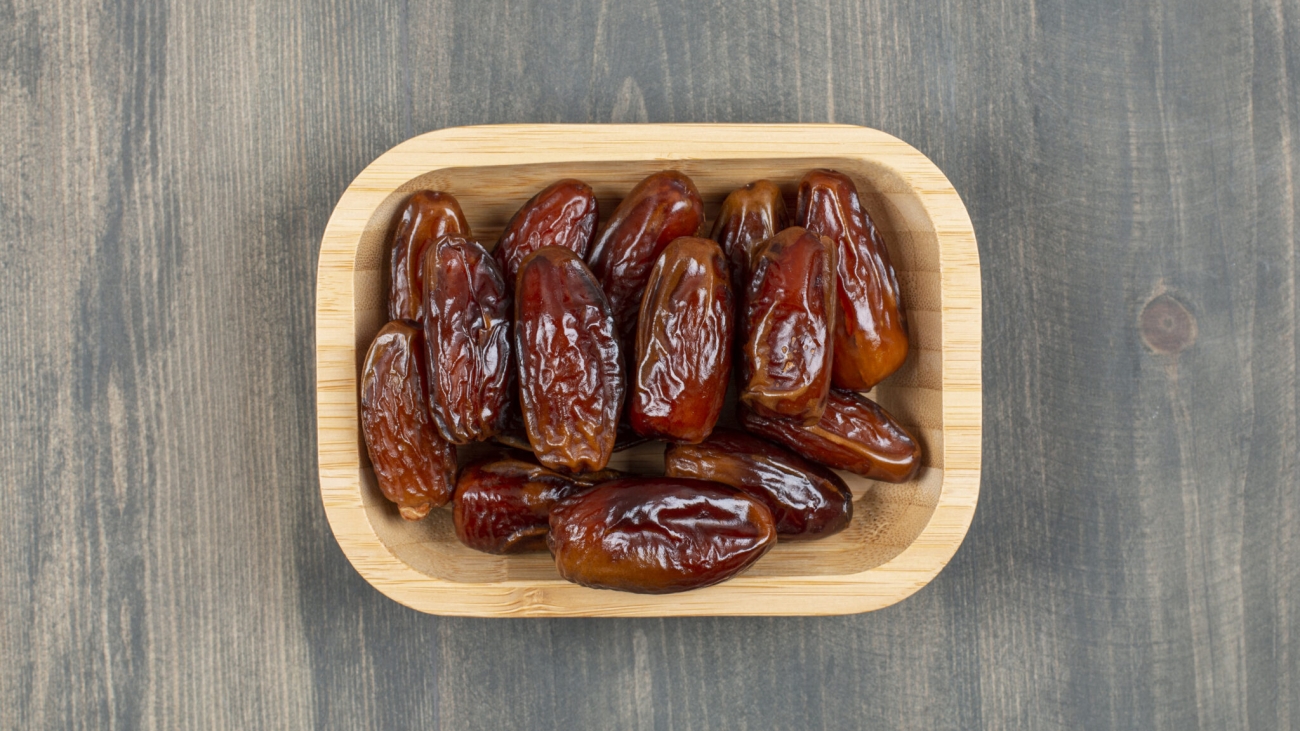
(564,214)
(516,436)
(571,380)
(662,207)
(502,502)
(683,344)
(414,466)
(807,500)
(467,328)
(427,216)
(854,434)
(654,535)
(871,329)
(749,216)
(785,366)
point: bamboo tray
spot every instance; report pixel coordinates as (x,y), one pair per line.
(901,535)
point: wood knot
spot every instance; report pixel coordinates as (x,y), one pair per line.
(1167,326)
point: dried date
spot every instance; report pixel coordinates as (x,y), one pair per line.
(807,500)
(564,214)
(749,216)
(871,327)
(502,502)
(571,378)
(683,345)
(854,434)
(656,535)
(427,216)
(415,467)
(467,329)
(662,207)
(789,312)
(515,436)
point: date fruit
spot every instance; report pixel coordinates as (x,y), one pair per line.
(662,207)
(785,363)
(654,535)
(807,500)
(467,329)
(854,434)
(427,216)
(515,436)
(571,378)
(871,328)
(414,466)
(502,502)
(749,216)
(564,214)
(683,343)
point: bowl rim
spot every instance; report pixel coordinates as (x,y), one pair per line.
(493,145)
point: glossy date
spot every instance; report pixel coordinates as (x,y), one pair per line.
(807,500)
(785,362)
(414,466)
(662,207)
(654,535)
(871,329)
(683,344)
(427,216)
(515,436)
(467,330)
(854,434)
(750,215)
(564,214)
(571,378)
(502,502)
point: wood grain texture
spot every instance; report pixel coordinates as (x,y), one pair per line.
(166,172)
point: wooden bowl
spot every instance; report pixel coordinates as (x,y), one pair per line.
(901,535)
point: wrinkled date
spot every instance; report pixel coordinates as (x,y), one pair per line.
(749,216)
(807,500)
(789,310)
(502,503)
(854,434)
(427,216)
(654,535)
(415,467)
(563,214)
(515,435)
(871,329)
(662,207)
(571,380)
(683,343)
(467,329)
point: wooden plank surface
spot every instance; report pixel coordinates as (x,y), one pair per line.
(166,171)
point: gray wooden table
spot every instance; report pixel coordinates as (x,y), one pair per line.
(166,171)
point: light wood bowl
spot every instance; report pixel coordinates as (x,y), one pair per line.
(901,535)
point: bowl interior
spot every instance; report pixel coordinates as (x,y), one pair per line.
(887,518)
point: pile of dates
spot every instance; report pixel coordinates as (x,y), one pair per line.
(569,341)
